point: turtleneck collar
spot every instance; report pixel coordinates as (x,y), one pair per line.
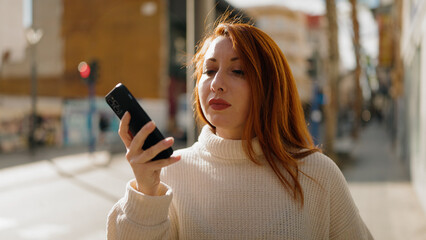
(222,148)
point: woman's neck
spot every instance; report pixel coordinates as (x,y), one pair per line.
(232,134)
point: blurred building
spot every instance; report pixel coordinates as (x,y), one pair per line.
(12,43)
(127,39)
(411,105)
(289,30)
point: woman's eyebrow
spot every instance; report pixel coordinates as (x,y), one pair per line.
(214,59)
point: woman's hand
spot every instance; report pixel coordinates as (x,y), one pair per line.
(147,172)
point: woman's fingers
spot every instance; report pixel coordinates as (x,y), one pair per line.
(151,152)
(123,130)
(147,172)
(159,164)
(141,136)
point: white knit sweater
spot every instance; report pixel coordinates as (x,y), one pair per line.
(216,192)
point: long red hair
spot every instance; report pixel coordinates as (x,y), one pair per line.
(276,116)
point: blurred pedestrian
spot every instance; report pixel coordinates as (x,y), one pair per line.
(254,172)
(104,124)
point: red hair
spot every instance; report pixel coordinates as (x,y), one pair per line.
(276,116)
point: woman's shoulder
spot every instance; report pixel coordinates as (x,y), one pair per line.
(318,158)
(319,165)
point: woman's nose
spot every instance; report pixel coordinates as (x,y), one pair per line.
(217,84)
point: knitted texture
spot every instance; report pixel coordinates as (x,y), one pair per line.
(216,192)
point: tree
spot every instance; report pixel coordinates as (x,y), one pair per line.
(358,97)
(397,88)
(331,107)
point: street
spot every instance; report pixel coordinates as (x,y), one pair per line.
(66,194)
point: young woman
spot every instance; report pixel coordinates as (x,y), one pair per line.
(254,172)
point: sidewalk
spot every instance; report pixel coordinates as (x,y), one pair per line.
(63,193)
(59,196)
(381,187)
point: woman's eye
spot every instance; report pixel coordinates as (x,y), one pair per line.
(238,72)
(209,72)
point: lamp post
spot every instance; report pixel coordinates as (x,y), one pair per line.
(89,73)
(33,37)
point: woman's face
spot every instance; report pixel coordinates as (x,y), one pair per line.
(223,89)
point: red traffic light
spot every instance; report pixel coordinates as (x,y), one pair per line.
(84,69)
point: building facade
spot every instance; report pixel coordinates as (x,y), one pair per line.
(412,105)
(129,41)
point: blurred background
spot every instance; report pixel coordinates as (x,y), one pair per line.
(358,64)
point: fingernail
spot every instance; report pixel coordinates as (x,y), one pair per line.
(150,124)
(169,140)
(175,157)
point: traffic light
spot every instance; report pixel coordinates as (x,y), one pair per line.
(84,70)
(89,72)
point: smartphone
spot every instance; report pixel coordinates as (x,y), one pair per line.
(121,100)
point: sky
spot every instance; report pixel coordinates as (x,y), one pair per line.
(308,6)
(314,7)
(368,26)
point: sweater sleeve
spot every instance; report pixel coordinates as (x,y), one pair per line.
(139,216)
(345,221)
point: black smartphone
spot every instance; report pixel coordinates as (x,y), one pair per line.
(121,100)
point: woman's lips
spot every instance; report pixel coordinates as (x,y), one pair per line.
(218,104)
